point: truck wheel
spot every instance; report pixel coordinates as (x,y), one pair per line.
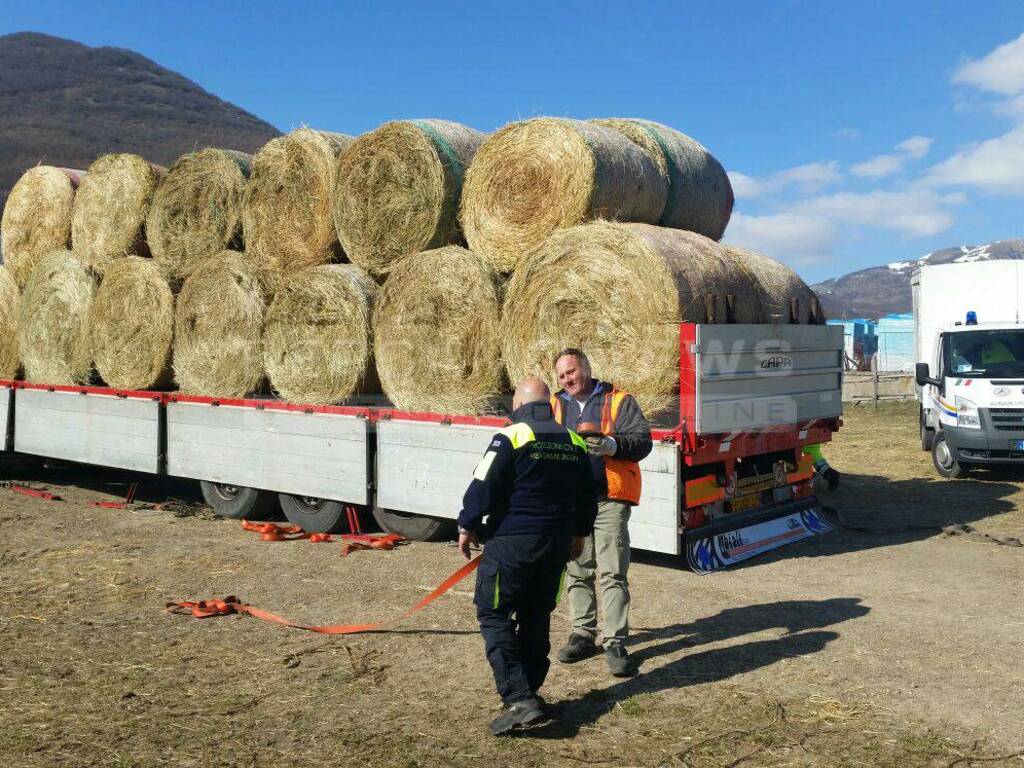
(314,515)
(414,527)
(944,458)
(927,436)
(239,502)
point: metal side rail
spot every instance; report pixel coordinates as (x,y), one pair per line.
(743,535)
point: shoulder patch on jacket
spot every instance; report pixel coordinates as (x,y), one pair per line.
(578,441)
(518,434)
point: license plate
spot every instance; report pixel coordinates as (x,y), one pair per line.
(1017,445)
(741,503)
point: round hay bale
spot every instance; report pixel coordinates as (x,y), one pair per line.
(317,341)
(110,209)
(700,196)
(534,177)
(53,320)
(131,325)
(37,218)
(399,188)
(618,291)
(10,298)
(218,327)
(288,204)
(196,209)
(435,331)
(777,284)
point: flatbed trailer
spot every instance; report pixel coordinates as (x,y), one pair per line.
(726,480)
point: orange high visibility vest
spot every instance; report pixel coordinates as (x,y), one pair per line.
(623,477)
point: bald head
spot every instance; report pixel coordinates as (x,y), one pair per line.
(530,390)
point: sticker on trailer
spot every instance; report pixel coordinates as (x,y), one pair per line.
(713,553)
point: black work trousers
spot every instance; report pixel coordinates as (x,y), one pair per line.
(520,577)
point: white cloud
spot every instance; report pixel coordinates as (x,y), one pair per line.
(915,147)
(851,134)
(810,178)
(913,212)
(878,166)
(790,237)
(1001,71)
(996,166)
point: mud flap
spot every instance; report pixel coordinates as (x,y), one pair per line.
(714,548)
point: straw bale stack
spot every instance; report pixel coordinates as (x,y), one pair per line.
(109,214)
(53,327)
(288,204)
(10,298)
(700,196)
(399,188)
(37,217)
(435,331)
(131,325)
(218,327)
(196,210)
(777,284)
(534,177)
(317,342)
(618,291)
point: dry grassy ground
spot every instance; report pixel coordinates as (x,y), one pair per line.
(899,648)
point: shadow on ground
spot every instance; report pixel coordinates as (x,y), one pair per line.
(804,622)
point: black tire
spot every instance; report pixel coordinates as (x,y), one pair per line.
(927,435)
(945,460)
(314,515)
(414,527)
(238,502)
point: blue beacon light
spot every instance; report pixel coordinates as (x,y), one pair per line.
(972,318)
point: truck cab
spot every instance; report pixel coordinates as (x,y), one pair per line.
(972,396)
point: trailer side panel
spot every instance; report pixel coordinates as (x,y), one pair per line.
(106,430)
(321,455)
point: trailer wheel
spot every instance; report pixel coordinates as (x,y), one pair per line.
(944,459)
(314,515)
(414,527)
(239,502)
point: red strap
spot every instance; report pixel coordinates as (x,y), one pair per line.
(203,609)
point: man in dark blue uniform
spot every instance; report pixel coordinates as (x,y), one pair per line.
(533,502)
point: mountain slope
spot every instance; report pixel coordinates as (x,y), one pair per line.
(878,291)
(64,103)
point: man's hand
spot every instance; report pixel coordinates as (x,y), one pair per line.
(602,445)
(466,539)
(578,542)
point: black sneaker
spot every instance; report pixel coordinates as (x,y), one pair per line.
(577,649)
(518,715)
(618,661)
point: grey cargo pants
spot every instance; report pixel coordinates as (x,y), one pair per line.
(606,552)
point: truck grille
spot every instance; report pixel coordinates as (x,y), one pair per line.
(1007,419)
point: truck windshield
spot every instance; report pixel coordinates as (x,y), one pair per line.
(986,353)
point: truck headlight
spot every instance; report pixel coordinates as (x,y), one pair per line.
(967,414)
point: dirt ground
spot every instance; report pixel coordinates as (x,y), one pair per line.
(898,647)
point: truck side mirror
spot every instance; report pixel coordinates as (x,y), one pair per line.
(923,375)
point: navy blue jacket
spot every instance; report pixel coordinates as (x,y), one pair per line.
(534,478)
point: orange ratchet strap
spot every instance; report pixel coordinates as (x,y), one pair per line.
(352,541)
(203,609)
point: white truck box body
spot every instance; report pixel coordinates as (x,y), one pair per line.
(943,294)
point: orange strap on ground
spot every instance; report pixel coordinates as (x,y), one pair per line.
(203,609)
(354,541)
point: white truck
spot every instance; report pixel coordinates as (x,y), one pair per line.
(727,479)
(970,363)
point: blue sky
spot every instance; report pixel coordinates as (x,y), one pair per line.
(856,133)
